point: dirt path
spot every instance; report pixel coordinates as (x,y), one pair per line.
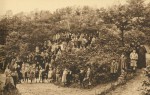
(134,86)
(51,89)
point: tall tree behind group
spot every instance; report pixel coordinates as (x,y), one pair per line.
(134,15)
(126,17)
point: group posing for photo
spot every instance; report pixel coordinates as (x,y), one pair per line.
(39,65)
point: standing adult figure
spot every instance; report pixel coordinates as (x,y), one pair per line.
(123,62)
(64,76)
(114,69)
(23,70)
(14,75)
(133,60)
(141,57)
(18,69)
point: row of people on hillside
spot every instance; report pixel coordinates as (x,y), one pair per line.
(36,73)
(25,71)
(51,50)
(135,60)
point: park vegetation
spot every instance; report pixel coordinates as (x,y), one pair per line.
(115,28)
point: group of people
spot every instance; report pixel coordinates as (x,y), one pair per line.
(36,74)
(40,65)
(131,60)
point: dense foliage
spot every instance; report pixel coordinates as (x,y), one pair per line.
(114,27)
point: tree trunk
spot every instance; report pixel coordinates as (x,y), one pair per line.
(122,38)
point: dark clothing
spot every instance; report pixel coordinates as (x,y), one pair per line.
(36,74)
(15,78)
(43,75)
(37,66)
(26,76)
(46,70)
(81,77)
(141,57)
(37,58)
(18,69)
(69,78)
(32,76)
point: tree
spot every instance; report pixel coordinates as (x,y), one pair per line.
(126,17)
(118,16)
(136,8)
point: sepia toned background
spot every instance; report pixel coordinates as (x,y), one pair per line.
(27,25)
(29,5)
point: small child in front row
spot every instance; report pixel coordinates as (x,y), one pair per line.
(43,75)
(32,75)
(40,74)
(50,75)
(36,74)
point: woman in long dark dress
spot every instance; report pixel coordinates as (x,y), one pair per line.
(141,57)
(18,69)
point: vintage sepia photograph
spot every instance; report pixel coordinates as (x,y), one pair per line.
(74,47)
